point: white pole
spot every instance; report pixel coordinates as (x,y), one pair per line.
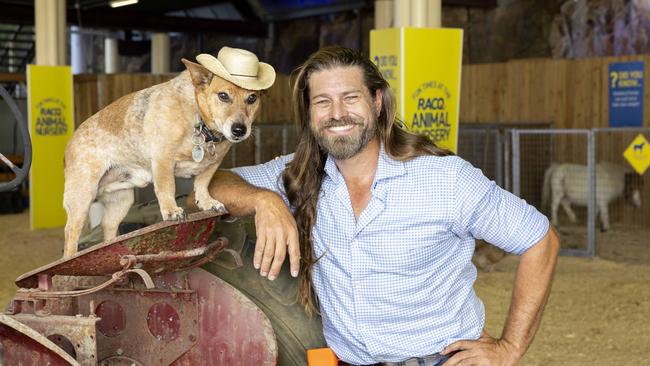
(434,14)
(402,13)
(77,59)
(111,57)
(383,14)
(159,53)
(419,13)
(50,29)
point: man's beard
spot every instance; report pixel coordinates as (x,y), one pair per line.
(345,147)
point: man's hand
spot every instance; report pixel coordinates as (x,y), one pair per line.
(484,351)
(277,234)
(276,229)
(532,286)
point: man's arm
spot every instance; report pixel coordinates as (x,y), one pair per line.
(274,224)
(532,287)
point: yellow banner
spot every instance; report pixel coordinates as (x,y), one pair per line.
(385,51)
(426,77)
(51,123)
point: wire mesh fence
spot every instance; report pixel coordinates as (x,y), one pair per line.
(577,177)
(552,170)
(581,180)
(483,146)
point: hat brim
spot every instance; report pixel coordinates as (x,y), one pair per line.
(264,80)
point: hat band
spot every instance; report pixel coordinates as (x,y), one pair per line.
(246,76)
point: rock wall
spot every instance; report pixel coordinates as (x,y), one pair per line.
(514,29)
(601,28)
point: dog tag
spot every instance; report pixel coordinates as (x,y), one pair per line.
(197,153)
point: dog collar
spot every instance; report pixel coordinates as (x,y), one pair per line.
(207,134)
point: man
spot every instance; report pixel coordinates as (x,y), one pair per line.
(387,223)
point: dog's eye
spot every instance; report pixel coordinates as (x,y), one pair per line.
(251,99)
(223,97)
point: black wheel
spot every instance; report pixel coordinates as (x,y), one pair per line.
(21,172)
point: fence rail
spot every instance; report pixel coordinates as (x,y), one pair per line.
(599,153)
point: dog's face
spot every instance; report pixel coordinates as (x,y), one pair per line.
(225,107)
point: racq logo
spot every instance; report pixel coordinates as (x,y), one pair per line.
(50,118)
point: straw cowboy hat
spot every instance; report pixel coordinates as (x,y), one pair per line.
(240,67)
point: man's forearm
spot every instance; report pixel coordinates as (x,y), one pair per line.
(239,197)
(532,287)
(275,226)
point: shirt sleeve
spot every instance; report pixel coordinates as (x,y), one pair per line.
(267,175)
(488,212)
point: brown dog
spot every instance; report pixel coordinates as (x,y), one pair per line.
(183,127)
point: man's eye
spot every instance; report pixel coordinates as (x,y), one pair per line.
(251,99)
(223,97)
(351,98)
(322,102)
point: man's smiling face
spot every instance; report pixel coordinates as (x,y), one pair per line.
(343,114)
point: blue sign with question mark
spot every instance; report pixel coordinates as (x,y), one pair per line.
(626,94)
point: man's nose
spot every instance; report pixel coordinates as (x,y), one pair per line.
(339,110)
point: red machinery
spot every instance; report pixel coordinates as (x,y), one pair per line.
(137,300)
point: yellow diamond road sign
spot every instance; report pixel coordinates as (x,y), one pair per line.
(638,154)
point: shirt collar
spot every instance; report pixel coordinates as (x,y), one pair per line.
(388,167)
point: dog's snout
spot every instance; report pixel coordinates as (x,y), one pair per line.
(238,130)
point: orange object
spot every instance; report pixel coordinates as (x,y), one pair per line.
(321,357)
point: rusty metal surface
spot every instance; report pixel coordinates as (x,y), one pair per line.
(119,361)
(233,330)
(78,331)
(170,315)
(152,327)
(190,318)
(104,259)
(22,345)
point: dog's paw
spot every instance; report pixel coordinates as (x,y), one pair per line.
(211,204)
(174,214)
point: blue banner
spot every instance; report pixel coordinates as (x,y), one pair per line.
(626,94)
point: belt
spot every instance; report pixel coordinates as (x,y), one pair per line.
(431,360)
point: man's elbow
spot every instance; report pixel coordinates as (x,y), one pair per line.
(553,241)
(546,249)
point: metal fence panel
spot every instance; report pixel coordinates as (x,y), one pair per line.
(482,146)
(553,170)
(626,216)
(518,160)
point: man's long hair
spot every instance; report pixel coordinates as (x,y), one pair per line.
(304,175)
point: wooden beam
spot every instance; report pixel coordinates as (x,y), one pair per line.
(471,3)
(13,77)
(116,19)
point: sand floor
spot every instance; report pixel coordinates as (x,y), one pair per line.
(598,312)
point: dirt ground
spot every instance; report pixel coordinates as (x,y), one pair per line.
(598,312)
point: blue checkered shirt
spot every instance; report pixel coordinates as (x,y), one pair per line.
(398,282)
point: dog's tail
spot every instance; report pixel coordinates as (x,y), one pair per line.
(546,186)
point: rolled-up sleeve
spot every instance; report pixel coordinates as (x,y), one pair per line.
(486,211)
(267,175)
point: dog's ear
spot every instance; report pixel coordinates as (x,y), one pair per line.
(201,76)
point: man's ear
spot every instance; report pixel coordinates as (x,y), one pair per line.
(378,101)
(201,76)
